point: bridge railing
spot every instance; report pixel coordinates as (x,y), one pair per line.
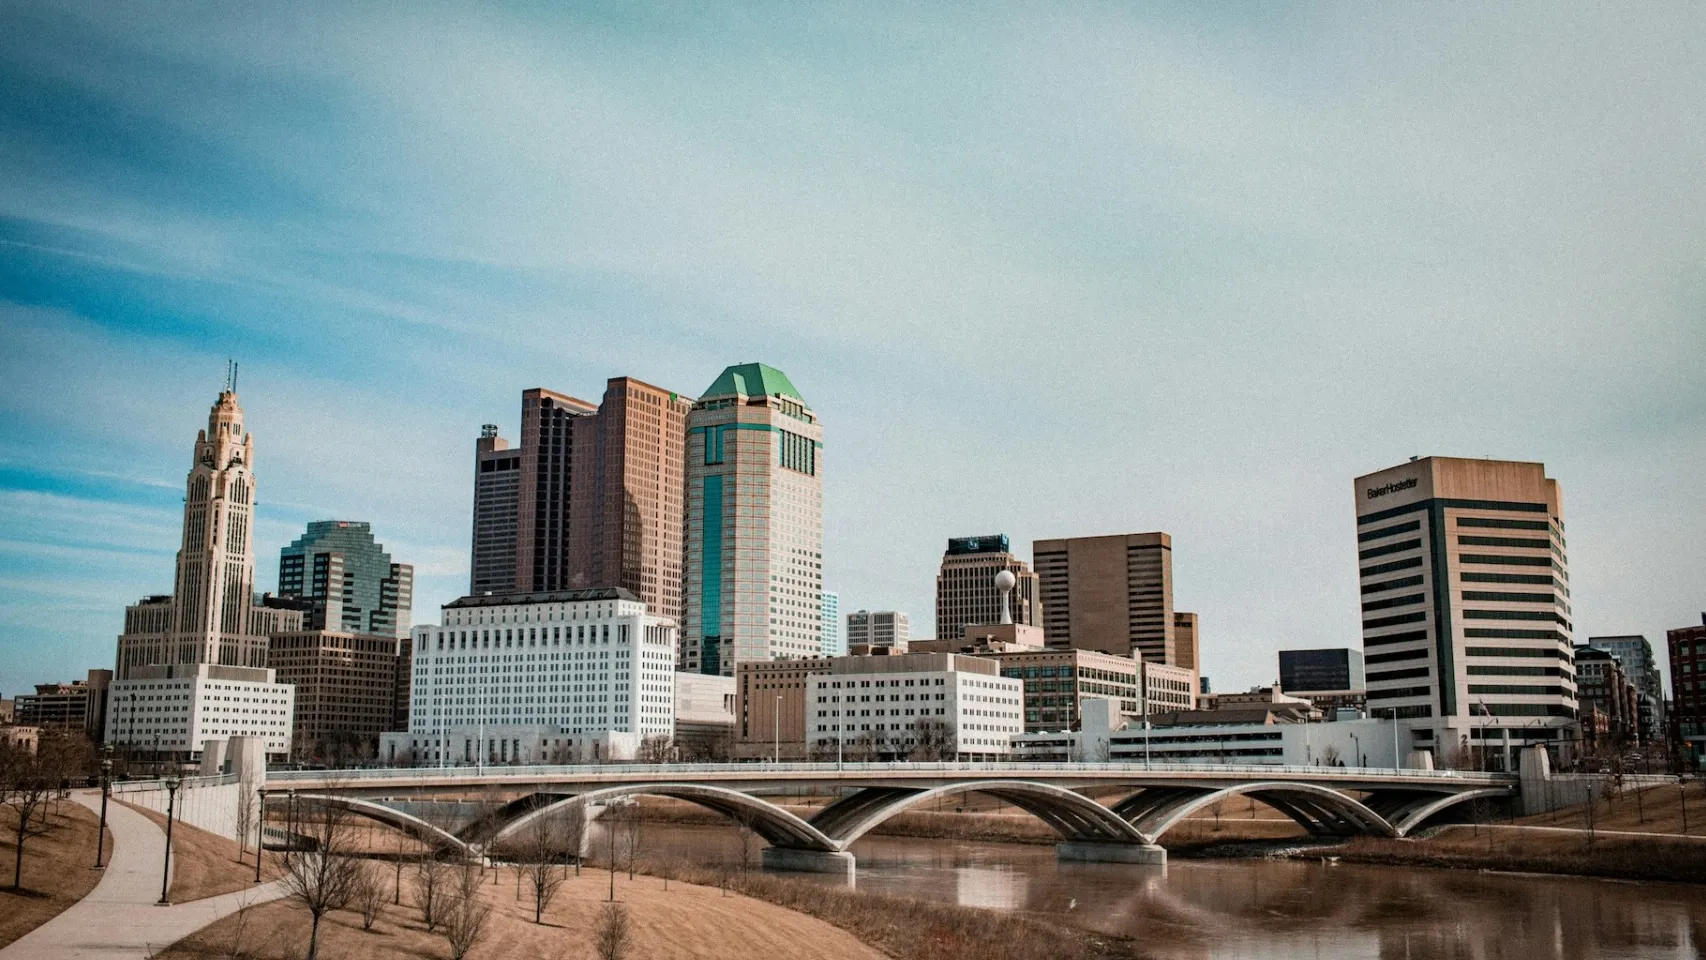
(668,771)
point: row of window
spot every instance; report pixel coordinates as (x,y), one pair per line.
(1384,586)
(1390,548)
(1393,530)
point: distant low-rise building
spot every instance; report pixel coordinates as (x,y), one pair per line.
(1688,691)
(878,628)
(80,705)
(704,716)
(922,706)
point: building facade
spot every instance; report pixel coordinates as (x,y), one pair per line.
(965,586)
(1635,655)
(1186,641)
(770,707)
(1322,670)
(80,705)
(1057,682)
(1112,593)
(834,631)
(705,708)
(1267,741)
(349,579)
(211,615)
(582,674)
(346,691)
(1466,603)
(880,628)
(1606,698)
(170,711)
(1688,692)
(497,505)
(923,706)
(754,543)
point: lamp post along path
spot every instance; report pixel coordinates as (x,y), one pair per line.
(166,864)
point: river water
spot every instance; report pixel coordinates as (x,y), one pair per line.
(1278,909)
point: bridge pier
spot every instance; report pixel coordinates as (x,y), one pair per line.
(1092,851)
(808,861)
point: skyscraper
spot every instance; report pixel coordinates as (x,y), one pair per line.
(1466,604)
(754,546)
(1112,593)
(349,578)
(591,498)
(627,495)
(882,628)
(211,616)
(834,635)
(497,496)
(965,585)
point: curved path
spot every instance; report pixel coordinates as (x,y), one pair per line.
(119,919)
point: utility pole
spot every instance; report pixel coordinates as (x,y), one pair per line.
(778,719)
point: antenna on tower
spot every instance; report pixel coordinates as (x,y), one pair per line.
(234,366)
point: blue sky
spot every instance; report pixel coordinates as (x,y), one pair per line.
(1047,269)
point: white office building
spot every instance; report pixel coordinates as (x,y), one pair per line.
(538,678)
(172,710)
(949,705)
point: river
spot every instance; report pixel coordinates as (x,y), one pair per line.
(1275,909)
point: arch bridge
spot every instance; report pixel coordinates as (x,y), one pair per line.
(1142,804)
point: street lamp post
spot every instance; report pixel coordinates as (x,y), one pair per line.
(166,864)
(106,791)
(260,830)
(778,719)
(1359,757)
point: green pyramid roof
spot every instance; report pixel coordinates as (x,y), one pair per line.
(752,380)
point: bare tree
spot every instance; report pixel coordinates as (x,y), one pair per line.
(1330,755)
(614,934)
(573,828)
(930,739)
(369,894)
(544,868)
(430,882)
(467,916)
(323,878)
(248,818)
(656,748)
(745,832)
(631,826)
(26,784)
(667,866)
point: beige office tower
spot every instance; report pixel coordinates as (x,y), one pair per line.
(966,594)
(1185,641)
(1466,605)
(1112,593)
(211,616)
(753,553)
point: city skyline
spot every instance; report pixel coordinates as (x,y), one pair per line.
(1373,268)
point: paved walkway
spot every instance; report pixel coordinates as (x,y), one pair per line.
(119,920)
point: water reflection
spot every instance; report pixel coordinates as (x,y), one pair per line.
(1228,910)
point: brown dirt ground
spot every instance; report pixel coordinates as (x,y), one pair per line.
(57,868)
(1655,810)
(206,864)
(685,921)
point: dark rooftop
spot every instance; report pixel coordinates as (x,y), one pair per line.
(555,596)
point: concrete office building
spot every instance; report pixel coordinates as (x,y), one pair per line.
(754,544)
(1635,655)
(965,585)
(705,707)
(1323,670)
(528,677)
(880,628)
(349,579)
(591,498)
(770,706)
(1112,593)
(1688,692)
(1057,682)
(80,705)
(347,691)
(1271,740)
(171,711)
(1466,603)
(212,615)
(1607,700)
(927,706)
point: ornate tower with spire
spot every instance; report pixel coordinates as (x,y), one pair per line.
(211,616)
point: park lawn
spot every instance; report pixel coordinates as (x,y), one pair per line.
(58,867)
(205,864)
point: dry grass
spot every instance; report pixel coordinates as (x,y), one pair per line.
(1651,810)
(57,867)
(1624,858)
(206,864)
(692,922)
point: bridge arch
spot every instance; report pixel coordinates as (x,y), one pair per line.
(1071,814)
(1318,809)
(777,826)
(1419,814)
(422,830)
